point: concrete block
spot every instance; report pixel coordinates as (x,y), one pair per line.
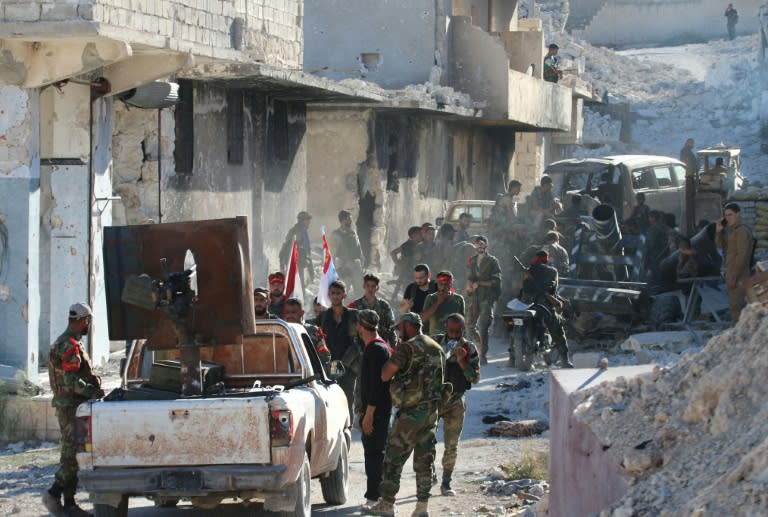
(22,11)
(583,478)
(58,12)
(586,359)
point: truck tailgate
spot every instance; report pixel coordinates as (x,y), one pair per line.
(181,432)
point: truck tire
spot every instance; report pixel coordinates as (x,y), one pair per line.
(105,510)
(335,486)
(303,493)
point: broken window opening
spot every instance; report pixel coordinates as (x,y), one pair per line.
(370,61)
(184,151)
(279,129)
(235,130)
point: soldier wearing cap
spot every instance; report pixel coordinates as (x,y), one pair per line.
(483,289)
(441,303)
(300,232)
(416,371)
(261,304)
(347,252)
(276,293)
(462,370)
(375,400)
(72,383)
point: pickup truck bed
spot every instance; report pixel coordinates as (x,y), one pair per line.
(272,424)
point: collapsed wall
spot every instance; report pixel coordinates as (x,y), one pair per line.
(692,439)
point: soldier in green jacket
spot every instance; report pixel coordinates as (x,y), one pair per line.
(483,289)
(72,382)
(416,371)
(462,370)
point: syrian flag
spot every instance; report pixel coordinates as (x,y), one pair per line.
(329,274)
(293,288)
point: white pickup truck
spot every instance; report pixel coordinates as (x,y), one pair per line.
(270,420)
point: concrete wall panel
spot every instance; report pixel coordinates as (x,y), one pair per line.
(337,32)
(582,476)
(672,22)
(19,229)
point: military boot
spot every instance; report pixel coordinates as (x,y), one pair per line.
(421,509)
(53,504)
(445,486)
(382,508)
(72,510)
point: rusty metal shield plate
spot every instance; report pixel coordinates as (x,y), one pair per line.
(223,312)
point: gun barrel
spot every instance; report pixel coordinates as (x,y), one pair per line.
(607,228)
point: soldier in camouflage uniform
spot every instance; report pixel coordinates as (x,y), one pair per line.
(72,382)
(372,302)
(483,289)
(416,371)
(347,252)
(462,369)
(294,313)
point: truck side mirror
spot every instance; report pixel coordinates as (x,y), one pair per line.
(337,370)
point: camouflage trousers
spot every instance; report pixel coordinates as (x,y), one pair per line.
(413,431)
(480,320)
(66,476)
(452,413)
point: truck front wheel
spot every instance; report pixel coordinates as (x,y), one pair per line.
(303,492)
(105,510)
(336,483)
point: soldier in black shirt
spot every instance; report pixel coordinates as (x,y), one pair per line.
(376,400)
(416,293)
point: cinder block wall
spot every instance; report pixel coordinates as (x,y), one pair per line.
(264,30)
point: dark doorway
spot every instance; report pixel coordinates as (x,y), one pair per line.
(365,227)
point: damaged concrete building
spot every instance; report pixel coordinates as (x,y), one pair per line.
(470,110)
(93,133)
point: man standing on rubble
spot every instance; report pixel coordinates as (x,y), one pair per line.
(416,371)
(552,71)
(462,370)
(731,19)
(735,239)
(72,383)
(300,232)
(540,286)
(348,255)
(483,289)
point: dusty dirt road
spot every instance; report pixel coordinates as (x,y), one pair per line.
(24,475)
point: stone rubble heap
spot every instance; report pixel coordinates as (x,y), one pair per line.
(692,439)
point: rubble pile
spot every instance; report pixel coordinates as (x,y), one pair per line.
(691,439)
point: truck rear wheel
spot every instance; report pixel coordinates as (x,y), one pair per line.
(105,510)
(303,492)
(335,485)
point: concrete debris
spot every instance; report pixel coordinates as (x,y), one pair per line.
(691,438)
(514,386)
(519,429)
(14,381)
